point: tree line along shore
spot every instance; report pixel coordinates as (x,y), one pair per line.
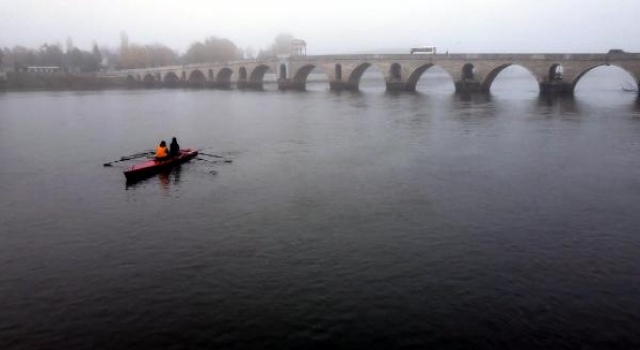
(50,67)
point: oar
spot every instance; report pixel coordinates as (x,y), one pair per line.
(216,156)
(129,157)
(214,161)
(136,155)
(210,155)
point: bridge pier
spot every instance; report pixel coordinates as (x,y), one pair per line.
(400,87)
(555,88)
(196,84)
(342,86)
(222,85)
(288,84)
(172,84)
(250,85)
(468,86)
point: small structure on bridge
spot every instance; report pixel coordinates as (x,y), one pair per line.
(298,47)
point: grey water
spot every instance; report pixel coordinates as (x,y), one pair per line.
(354,220)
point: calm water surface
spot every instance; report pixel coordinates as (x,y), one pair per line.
(366,220)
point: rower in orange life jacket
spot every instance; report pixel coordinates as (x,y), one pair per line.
(161,151)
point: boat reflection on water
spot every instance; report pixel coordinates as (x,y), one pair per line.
(165,179)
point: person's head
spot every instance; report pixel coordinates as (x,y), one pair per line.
(163,144)
(173,140)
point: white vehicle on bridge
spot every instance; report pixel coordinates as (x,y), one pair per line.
(430,50)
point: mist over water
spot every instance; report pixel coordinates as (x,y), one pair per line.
(370,219)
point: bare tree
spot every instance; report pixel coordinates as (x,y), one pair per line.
(213,49)
(249,53)
(282,44)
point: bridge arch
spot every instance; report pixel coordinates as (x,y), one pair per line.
(197,79)
(223,80)
(356,74)
(148,80)
(301,77)
(354,79)
(302,74)
(256,78)
(579,77)
(130,81)
(171,80)
(415,75)
(493,74)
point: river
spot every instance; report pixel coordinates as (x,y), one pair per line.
(360,220)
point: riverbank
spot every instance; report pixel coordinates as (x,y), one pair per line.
(12,81)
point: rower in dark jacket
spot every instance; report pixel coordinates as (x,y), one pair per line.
(174,148)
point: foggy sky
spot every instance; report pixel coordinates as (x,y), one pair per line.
(331,26)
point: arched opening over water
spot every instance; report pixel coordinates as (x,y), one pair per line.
(605,78)
(223,79)
(171,80)
(148,81)
(430,78)
(312,77)
(263,77)
(512,78)
(130,81)
(197,79)
(367,77)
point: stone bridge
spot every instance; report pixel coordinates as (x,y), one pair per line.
(556,73)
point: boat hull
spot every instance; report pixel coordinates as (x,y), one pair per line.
(151,167)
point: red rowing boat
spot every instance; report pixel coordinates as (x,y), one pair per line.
(153,166)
